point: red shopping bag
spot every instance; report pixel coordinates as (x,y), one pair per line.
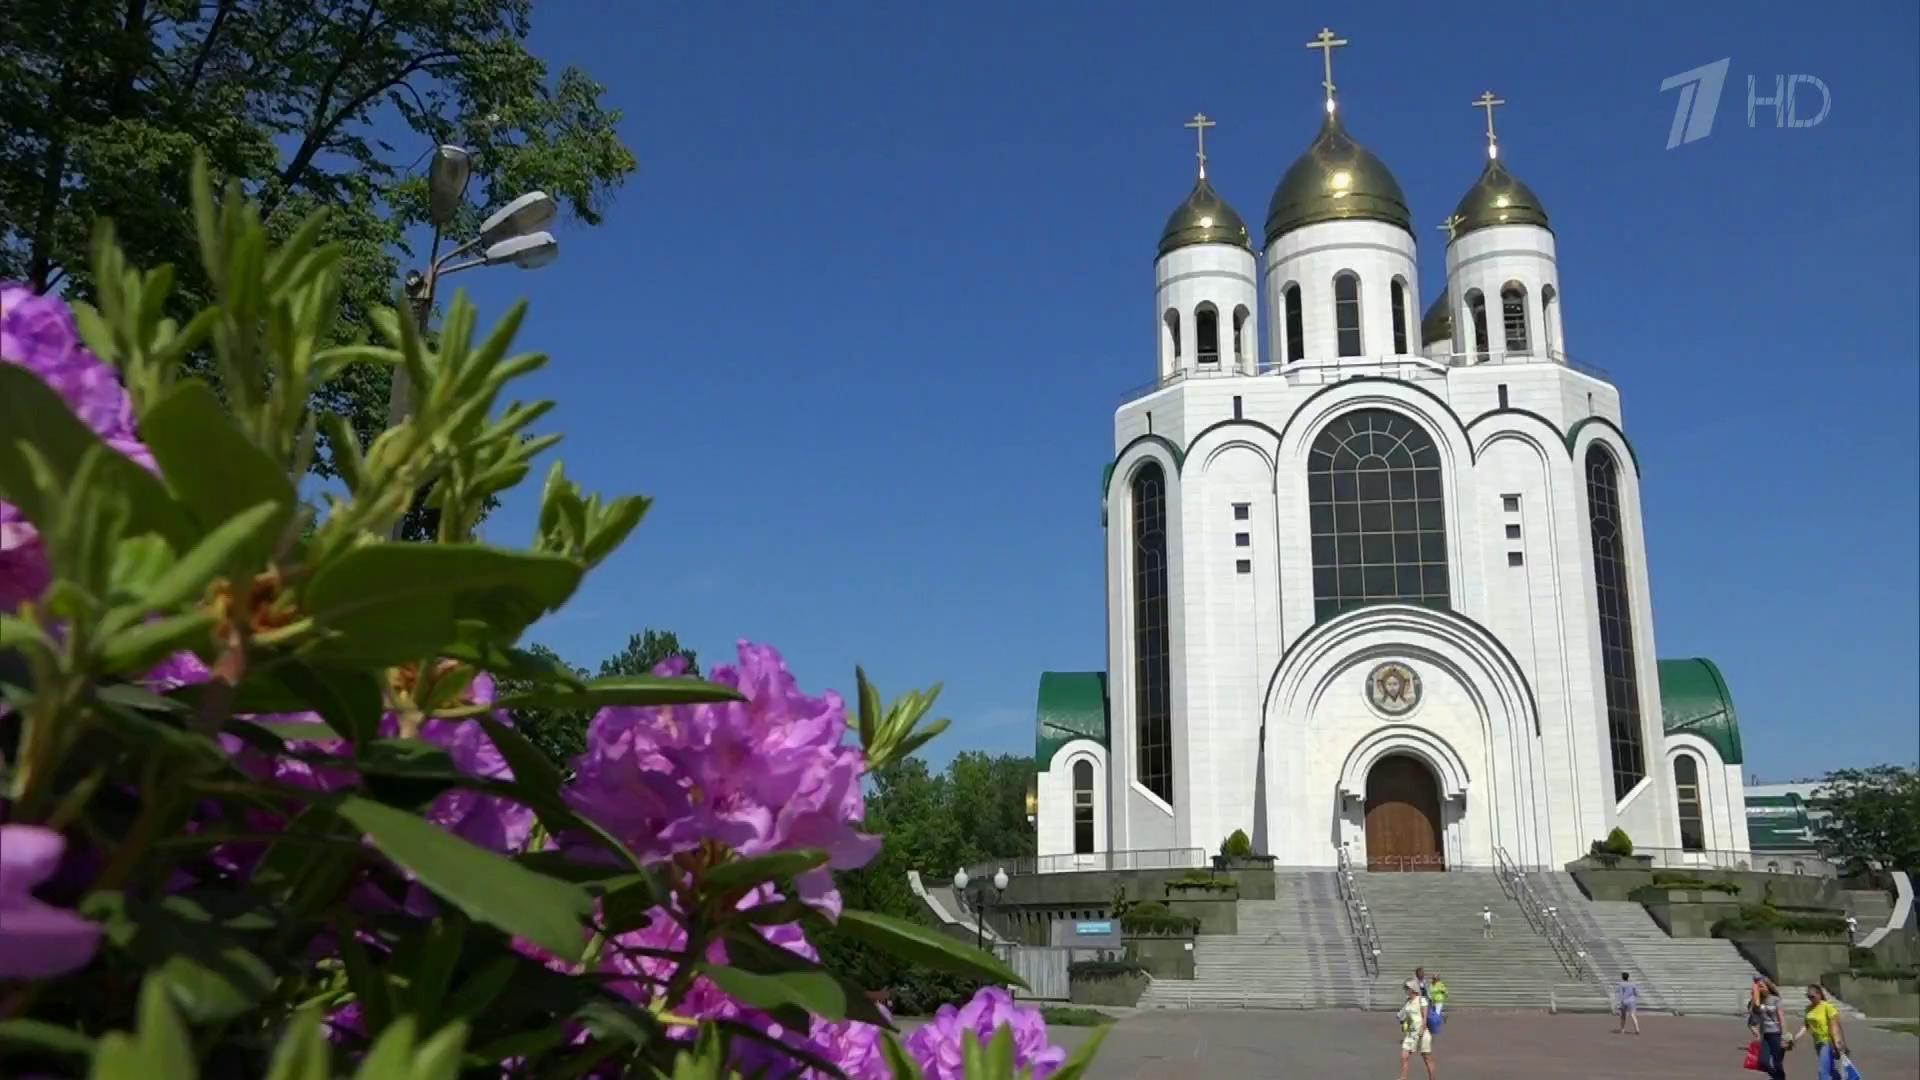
(1753,1055)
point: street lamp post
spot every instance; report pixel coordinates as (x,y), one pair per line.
(960,880)
(515,233)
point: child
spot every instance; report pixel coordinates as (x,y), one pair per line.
(1486,924)
(1629,1004)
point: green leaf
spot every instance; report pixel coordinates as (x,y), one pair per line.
(392,603)
(391,1057)
(139,647)
(238,541)
(165,1050)
(370,985)
(628,690)
(32,414)
(439,1057)
(192,953)
(490,888)
(348,699)
(626,904)
(1081,1060)
(42,1037)
(815,991)
(738,875)
(410,772)
(901,1062)
(302,1053)
(432,969)
(216,471)
(910,941)
(481,988)
(748,951)
(537,783)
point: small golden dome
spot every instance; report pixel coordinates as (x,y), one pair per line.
(1497,198)
(1337,179)
(1205,218)
(1437,323)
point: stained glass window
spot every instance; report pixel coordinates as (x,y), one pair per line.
(1378,514)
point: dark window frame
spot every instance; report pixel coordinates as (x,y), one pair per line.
(1206,334)
(1296,324)
(1513,318)
(1399,291)
(1613,602)
(1083,823)
(1376,514)
(1346,314)
(1688,804)
(1152,635)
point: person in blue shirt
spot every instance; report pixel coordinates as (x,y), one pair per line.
(1629,1004)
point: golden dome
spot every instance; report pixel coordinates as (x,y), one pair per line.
(1337,179)
(1497,198)
(1205,218)
(1437,323)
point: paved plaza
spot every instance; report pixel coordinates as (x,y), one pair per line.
(1484,1045)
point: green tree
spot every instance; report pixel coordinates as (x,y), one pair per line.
(308,104)
(1873,816)
(644,652)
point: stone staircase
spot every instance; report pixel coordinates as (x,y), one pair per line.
(1682,975)
(1871,908)
(1295,951)
(1433,921)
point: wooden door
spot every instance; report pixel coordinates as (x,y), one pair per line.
(1403,816)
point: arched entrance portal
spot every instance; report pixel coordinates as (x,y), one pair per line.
(1403,816)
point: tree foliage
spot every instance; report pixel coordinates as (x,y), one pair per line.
(1873,816)
(309,104)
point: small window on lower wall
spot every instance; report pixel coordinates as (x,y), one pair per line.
(1083,807)
(1243,566)
(1514,558)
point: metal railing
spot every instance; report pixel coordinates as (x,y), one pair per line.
(1545,919)
(1735,859)
(1187,858)
(1357,915)
(1410,366)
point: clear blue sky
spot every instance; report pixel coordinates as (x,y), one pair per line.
(860,321)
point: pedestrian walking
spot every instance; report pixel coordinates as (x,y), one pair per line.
(1415,1037)
(1829,1039)
(1486,923)
(1773,1049)
(1853,928)
(1629,1006)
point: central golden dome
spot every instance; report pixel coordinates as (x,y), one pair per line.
(1205,218)
(1337,179)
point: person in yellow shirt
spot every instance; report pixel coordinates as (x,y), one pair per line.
(1823,1023)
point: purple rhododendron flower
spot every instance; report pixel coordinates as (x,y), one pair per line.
(770,773)
(937,1045)
(37,333)
(492,822)
(37,940)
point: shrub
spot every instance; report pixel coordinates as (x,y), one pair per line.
(1237,846)
(1071,1016)
(1197,879)
(1154,917)
(1618,843)
(1104,969)
(1668,880)
(1760,918)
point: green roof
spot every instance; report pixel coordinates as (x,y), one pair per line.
(1073,705)
(1694,700)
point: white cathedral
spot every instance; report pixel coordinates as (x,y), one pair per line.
(1385,586)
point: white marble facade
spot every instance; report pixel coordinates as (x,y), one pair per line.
(1273,717)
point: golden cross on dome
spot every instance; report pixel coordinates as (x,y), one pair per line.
(1451,225)
(1488,102)
(1200,124)
(1326,43)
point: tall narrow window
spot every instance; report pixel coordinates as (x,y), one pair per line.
(1172,340)
(1477,314)
(1547,313)
(1378,514)
(1152,645)
(1399,317)
(1686,792)
(1083,807)
(1616,620)
(1296,326)
(1206,328)
(1346,312)
(1513,317)
(1242,353)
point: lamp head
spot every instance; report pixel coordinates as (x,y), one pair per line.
(529,252)
(960,879)
(1000,879)
(447,182)
(534,210)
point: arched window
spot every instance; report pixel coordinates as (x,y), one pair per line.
(1082,807)
(1152,644)
(1296,325)
(1346,312)
(1399,317)
(1547,297)
(1686,792)
(1616,620)
(1172,321)
(1242,355)
(1477,315)
(1513,317)
(1378,514)
(1206,328)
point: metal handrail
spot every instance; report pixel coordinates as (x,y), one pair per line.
(1358,917)
(1545,919)
(1403,365)
(1187,858)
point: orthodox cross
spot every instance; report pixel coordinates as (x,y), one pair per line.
(1200,124)
(1326,43)
(1451,224)
(1488,102)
